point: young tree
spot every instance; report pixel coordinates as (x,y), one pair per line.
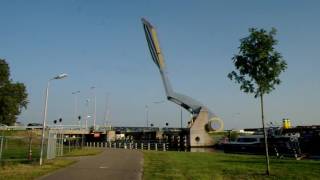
(258,66)
(13,96)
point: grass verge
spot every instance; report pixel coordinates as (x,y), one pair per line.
(27,171)
(186,165)
(20,171)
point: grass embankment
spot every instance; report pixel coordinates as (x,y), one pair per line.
(28,171)
(184,165)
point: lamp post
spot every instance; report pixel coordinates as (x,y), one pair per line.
(60,76)
(147,115)
(87,115)
(95,107)
(76,105)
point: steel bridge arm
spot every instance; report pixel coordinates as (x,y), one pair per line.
(188,103)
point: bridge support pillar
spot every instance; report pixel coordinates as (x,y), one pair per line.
(199,137)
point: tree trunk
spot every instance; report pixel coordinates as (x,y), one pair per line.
(265,136)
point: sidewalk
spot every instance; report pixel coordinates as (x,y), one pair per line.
(112,164)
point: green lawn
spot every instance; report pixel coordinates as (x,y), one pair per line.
(186,165)
(28,171)
(15,165)
(16,145)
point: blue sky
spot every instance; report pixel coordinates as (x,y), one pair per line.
(102,44)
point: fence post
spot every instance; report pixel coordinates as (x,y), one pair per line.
(148,146)
(1,146)
(156,146)
(6,143)
(62,141)
(30,149)
(164,146)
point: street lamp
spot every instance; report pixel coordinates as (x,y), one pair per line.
(87,115)
(60,76)
(147,115)
(95,107)
(76,105)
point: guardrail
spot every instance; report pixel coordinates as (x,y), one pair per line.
(129,145)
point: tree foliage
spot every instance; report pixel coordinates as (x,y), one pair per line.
(13,96)
(258,65)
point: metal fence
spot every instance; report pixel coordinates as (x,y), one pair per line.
(19,145)
(24,145)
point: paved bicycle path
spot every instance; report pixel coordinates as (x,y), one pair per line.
(111,164)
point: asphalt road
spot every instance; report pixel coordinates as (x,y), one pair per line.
(112,164)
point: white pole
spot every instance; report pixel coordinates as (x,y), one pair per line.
(44,122)
(87,116)
(95,104)
(106,110)
(147,115)
(76,107)
(95,111)
(1,144)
